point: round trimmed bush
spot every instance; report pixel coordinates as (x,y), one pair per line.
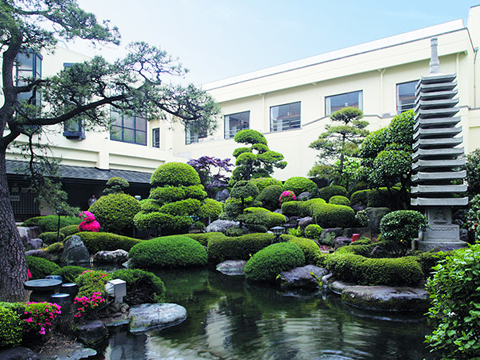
(69,273)
(168,252)
(69,230)
(327,192)
(51,237)
(90,281)
(11,330)
(309,247)
(313,231)
(167,194)
(359,197)
(195,192)
(401,227)
(142,286)
(55,248)
(116,185)
(299,184)
(40,267)
(339,200)
(269,197)
(269,262)
(149,205)
(329,215)
(98,241)
(250,136)
(210,209)
(181,208)
(175,174)
(50,222)
(115,212)
(263,182)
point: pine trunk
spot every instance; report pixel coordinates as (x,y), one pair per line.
(13,263)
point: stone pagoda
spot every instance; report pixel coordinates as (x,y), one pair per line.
(438,158)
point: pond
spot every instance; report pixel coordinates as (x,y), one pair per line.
(229,318)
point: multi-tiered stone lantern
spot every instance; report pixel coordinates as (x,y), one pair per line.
(438,161)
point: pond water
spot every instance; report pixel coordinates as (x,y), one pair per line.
(229,318)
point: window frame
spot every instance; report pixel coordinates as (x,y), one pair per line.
(134,129)
(228,134)
(193,137)
(277,122)
(156,137)
(404,107)
(328,100)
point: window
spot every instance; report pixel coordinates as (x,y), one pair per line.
(193,137)
(73,129)
(236,122)
(127,128)
(406,96)
(337,102)
(285,117)
(156,138)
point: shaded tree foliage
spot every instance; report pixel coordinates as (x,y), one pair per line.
(210,171)
(130,85)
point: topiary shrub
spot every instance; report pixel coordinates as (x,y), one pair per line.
(116,185)
(268,263)
(269,197)
(204,238)
(359,197)
(310,249)
(294,208)
(287,196)
(455,305)
(237,248)
(181,207)
(92,281)
(401,227)
(313,231)
(327,192)
(97,241)
(195,192)
(168,252)
(50,222)
(339,200)
(328,215)
(51,237)
(210,209)
(69,273)
(142,286)
(115,212)
(166,194)
(69,230)
(174,174)
(11,329)
(299,184)
(260,217)
(264,182)
(39,267)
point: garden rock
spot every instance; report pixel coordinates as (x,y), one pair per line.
(304,196)
(34,244)
(111,257)
(386,298)
(92,332)
(304,222)
(75,252)
(305,277)
(342,241)
(336,231)
(358,207)
(222,195)
(146,317)
(220,225)
(37,253)
(375,214)
(18,353)
(232,267)
(27,233)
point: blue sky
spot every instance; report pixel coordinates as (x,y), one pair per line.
(217,39)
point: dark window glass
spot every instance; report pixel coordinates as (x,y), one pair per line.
(127,128)
(236,122)
(406,96)
(156,137)
(285,117)
(193,137)
(337,102)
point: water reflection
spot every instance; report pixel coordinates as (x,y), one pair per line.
(231,319)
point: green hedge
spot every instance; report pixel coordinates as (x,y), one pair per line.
(69,230)
(309,248)
(195,192)
(181,208)
(50,222)
(142,286)
(150,205)
(168,252)
(359,197)
(167,194)
(11,329)
(313,231)
(40,267)
(175,174)
(204,238)
(91,281)
(210,208)
(98,241)
(294,208)
(299,184)
(69,273)
(115,212)
(327,192)
(51,237)
(269,197)
(269,262)
(339,200)
(237,248)
(260,217)
(166,222)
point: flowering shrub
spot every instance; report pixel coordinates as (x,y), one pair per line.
(92,281)
(87,305)
(39,316)
(89,223)
(287,196)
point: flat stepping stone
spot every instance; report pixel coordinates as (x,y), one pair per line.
(384,298)
(232,267)
(148,317)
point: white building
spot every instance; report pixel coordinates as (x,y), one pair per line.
(290,104)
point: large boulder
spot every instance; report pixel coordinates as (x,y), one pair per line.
(147,317)
(222,195)
(220,225)
(232,267)
(92,332)
(305,221)
(118,256)
(342,241)
(34,244)
(375,214)
(75,252)
(28,232)
(305,277)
